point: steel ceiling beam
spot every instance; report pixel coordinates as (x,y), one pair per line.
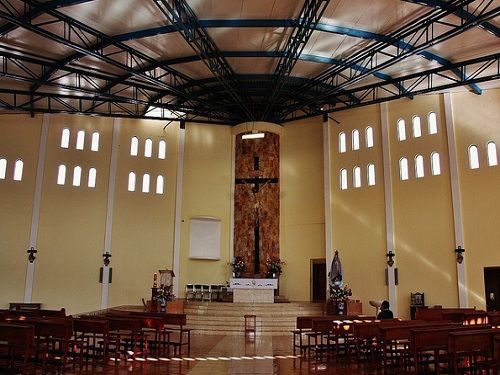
(180,14)
(462,13)
(419,34)
(37,11)
(111,106)
(482,69)
(308,18)
(77,36)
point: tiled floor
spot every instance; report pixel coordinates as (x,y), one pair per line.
(235,355)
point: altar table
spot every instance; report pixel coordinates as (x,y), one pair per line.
(253,290)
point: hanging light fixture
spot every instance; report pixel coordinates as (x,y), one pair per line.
(254,134)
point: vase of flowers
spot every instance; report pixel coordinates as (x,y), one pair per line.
(238,266)
(163,295)
(274,266)
(339,296)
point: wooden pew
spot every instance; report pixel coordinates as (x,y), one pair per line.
(432,341)
(394,339)
(24,306)
(477,345)
(93,336)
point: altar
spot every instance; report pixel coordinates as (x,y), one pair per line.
(253,290)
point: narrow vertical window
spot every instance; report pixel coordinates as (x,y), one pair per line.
(473,157)
(148,148)
(369,137)
(356,177)
(401,130)
(134,146)
(342,143)
(370,177)
(417,129)
(65,138)
(131,181)
(343,179)
(3,168)
(355,139)
(432,123)
(435,164)
(159,184)
(61,175)
(94,146)
(162,149)
(403,169)
(145,183)
(419,166)
(92,178)
(492,154)
(77,176)
(18,170)
(80,140)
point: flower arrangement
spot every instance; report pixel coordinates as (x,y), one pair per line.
(274,266)
(164,294)
(238,265)
(340,294)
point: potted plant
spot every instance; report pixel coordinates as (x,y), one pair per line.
(274,267)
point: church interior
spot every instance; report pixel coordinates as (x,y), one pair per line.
(304,139)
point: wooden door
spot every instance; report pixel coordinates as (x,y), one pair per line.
(318,280)
(492,288)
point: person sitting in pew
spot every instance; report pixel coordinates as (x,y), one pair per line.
(385,312)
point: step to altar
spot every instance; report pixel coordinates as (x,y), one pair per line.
(226,318)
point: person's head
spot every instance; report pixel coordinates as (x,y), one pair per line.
(384,305)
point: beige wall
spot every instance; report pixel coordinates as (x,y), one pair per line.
(358,214)
(207,192)
(476,121)
(19,139)
(302,224)
(423,217)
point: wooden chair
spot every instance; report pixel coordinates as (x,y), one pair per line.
(125,336)
(303,326)
(93,338)
(18,342)
(320,338)
(54,337)
(156,336)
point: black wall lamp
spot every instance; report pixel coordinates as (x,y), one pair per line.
(460,254)
(106,257)
(31,257)
(390,258)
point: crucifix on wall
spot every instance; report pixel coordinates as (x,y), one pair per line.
(256,182)
(257,201)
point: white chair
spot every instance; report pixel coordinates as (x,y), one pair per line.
(189,292)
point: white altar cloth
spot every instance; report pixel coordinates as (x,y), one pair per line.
(253,290)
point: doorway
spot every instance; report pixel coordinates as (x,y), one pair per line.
(318,280)
(492,288)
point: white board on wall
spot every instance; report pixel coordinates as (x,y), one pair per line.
(204,238)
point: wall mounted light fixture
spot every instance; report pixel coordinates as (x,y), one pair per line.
(460,254)
(31,257)
(106,257)
(390,258)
